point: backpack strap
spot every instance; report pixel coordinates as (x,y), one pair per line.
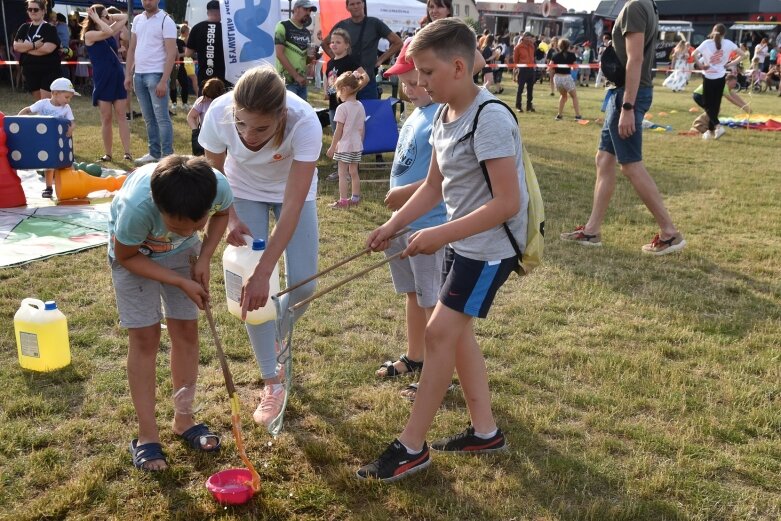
(471,134)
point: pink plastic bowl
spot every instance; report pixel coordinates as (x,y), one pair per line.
(231,486)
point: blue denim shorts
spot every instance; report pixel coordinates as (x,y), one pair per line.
(628,150)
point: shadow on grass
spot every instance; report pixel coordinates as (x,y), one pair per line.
(561,485)
(57,391)
(715,300)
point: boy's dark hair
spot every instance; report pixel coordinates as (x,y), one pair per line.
(447,38)
(184,186)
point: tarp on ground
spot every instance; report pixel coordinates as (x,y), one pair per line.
(766,122)
(42,230)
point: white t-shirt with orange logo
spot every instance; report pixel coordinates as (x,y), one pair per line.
(716,58)
(262,175)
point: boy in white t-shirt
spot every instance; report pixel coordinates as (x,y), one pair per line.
(62,92)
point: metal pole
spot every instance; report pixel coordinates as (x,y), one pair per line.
(8,48)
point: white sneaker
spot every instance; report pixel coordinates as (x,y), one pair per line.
(708,135)
(185,107)
(173,107)
(271,402)
(147,158)
(719,132)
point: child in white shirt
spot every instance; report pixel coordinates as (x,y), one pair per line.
(62,92)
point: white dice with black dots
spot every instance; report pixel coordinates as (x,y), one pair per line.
(38,142)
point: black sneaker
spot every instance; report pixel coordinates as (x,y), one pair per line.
(395,463)
(47,192)
(467,442)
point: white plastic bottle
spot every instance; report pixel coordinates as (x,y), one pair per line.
(238,264)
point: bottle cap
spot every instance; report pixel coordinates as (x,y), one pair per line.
(49,305)
(258,244)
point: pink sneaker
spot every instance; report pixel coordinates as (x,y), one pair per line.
(270,404)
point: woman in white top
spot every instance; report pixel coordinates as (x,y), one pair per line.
(713,55)
(761,53)
(267,141)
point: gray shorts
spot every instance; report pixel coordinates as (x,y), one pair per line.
(564,82)
(421,274)
(138,298)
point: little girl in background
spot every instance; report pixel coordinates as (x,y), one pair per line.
(347,145)
(212,89)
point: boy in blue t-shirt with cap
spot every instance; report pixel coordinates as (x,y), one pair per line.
(419,277)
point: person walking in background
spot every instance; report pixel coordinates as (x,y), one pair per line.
(621,141)
(205,41)
(347,145)
(523,55)
(552,50)
(38,44)
(563,79)
(108,93)
(677,81)
(292,41)
(604,42)
(761,53)
(713,55)
(365,33)
(179,75)
(150,60)
(189,64)
(584,73)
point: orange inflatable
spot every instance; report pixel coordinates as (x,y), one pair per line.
(75,184)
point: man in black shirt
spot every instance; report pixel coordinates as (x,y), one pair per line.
(206,41)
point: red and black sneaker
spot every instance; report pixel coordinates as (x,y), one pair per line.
(468,442)
(395,463)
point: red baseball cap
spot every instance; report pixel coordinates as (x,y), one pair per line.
(402,64)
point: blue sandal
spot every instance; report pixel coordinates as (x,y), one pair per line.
(195,434)
(146,452)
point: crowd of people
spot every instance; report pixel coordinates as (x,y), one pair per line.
(461,193)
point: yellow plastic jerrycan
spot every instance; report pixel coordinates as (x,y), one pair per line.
(41,336)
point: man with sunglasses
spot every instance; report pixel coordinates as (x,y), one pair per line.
(37,41)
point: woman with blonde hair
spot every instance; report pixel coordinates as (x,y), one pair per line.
(267,144)
(98,31)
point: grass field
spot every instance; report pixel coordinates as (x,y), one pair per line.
(630,388)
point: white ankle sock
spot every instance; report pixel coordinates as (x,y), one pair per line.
(487,436)
(410,451)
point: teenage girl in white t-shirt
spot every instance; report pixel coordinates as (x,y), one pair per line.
(266,141)
(713,55)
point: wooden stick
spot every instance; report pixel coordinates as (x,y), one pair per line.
(338,264)
(220,354)
(345,281)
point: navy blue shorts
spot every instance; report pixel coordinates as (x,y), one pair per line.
(471,285)
(628,150)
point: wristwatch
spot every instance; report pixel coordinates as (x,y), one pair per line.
(627,106)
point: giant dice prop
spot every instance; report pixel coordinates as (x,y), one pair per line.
(38,142)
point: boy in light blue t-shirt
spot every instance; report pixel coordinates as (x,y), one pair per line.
(419,277)
(153,239)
